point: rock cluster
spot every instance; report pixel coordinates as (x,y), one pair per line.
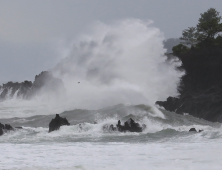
(128,126)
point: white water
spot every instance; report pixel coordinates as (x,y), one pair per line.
(165,144)
(120,156)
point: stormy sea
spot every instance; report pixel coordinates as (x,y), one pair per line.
(113,74)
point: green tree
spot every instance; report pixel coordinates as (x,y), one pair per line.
(189,36)
(209,25)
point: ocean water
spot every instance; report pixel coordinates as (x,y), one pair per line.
(164,144)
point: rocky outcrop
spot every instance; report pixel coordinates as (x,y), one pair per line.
(206,104)
(10,89)
(128,126)
(5,128)
(43,83)
(57,122)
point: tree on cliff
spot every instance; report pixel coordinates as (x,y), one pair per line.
(209,25)
(207,29)
(190,36)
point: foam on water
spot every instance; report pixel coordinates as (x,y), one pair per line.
(83,129)
(89,156)
(164,144)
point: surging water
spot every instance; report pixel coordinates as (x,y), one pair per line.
(165,144)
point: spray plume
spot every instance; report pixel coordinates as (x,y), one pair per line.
(123,62)
(119,63)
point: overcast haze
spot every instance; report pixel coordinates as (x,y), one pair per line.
(33,34)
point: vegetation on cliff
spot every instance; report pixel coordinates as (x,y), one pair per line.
(200,89)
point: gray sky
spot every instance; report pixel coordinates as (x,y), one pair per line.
(32,31)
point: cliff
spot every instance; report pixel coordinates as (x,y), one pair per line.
(200,89)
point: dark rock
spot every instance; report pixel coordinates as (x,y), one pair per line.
(1,129)
(170,104)
(2,126)
(57,122)
(192,130)
(8,127)
(206,105)
(5,128)
(130,126)
(1,132)
(18,127)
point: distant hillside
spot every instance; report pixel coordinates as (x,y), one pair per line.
(170,43)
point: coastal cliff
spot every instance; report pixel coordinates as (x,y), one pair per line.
(200,89)
(44,82)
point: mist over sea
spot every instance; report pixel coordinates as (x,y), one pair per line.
(114,72)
